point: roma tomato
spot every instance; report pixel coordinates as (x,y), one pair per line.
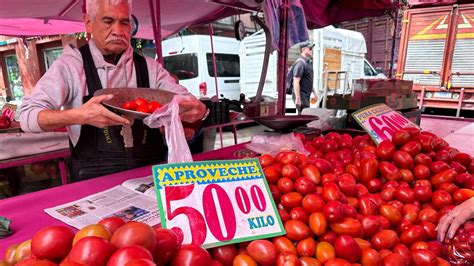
(140,262)
(325,251)
(299,213)
(92,250)
(370,225)
(153,105)
(423,159)
(385,150)
(405,195)
(424,257)
(403,159)
(190,254)
(244,260)
(112,223)
(400,137)
(52,242)
(333,211)
(412,147)
(368,169)
(306,247)
(296,230)
(370,257)
(285,185)
(412,234)
(308,261)
(441,198)
(347,248)
(130,105)
(304,185)
(313,203)
(317,223)
(422,171)
(391,213)
(385,239)
(290,171)
(287,259)
(394,259)
(291,199)
(347,226)
(331,192)
(272,174)
(312,172)
(262,251)
(283,243)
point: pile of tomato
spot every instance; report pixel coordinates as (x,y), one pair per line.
(141,105)
(349,202)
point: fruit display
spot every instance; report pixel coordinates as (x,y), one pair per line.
(5,122)
(349,202)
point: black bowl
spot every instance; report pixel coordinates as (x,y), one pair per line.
(284,123)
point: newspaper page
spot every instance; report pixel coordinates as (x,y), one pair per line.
(117,201)
(143,185)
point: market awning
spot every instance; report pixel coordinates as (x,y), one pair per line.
(48,17)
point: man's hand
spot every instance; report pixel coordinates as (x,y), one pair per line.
(450,223)
(191,109)
(93,113)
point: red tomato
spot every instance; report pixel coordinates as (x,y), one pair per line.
(312,172)
(287,259)
(407,175)
(266,160)
(389,171)
(347,226)
(404,251)
(368,169)
(140,262)
(262,251)
(244,260)
(441,198)
(166,245)
(412,147)
(317,223)
(394,259)
(325,251)
(284,244)
(424,257)
(190,254)
(323,166)
(428,215)
(290,171)
(333,211)
(446,176)
(347,248)
(331,192)
(304,185)
(405,195)
(412,234)
(35,262)
(385,150)
(385,239)
(313,203)
(391,213)
(370,225)
(306,247)
(463,158)
(400,137)
(23,251)
(143,109)
(370,257)
(112,223)
(272,174)
(141,102)
(438,167)
(403,159)
(299,213)
(307,261)
(126,254)
(91,250)
(52,242)
(153,105)
(337,262)
(130,105)
(423,159)
(285,185)
(291,199)
(422,171)
(134,233)
(296,230)
(224,254)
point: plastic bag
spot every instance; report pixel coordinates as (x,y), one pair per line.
(460,249)
(273,143)
(168,117)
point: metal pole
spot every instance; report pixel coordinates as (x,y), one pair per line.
(394,40)
(156,24)
(211,32)
(282,57)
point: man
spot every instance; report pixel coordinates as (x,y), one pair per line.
(64,96)
(303,77)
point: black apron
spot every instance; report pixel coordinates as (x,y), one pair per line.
(101,151)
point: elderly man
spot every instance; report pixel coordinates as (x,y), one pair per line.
(64,96)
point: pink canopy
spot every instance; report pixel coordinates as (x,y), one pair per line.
(48,17)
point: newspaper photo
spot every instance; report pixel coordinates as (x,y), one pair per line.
(133,200)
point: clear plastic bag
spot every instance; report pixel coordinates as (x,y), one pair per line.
(460,249)
(168,117)
(273,143)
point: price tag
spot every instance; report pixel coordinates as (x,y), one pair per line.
(214,203)
(380,121)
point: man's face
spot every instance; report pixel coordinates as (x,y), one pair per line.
(110,28)
(308,52)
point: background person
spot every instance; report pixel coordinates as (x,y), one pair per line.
(63,96)
(303,77)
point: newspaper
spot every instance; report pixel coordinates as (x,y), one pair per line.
(133,200)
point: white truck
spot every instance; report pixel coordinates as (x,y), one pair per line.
(338,52)
(189,58)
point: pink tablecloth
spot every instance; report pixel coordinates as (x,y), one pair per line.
(27,211)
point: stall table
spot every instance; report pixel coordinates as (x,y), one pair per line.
(27,211)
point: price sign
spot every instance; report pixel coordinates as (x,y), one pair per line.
(380,121)
(214,203)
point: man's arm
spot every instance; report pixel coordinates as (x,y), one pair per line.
(91,113)
(296,90)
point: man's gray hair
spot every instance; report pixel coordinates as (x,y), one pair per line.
(92,6)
